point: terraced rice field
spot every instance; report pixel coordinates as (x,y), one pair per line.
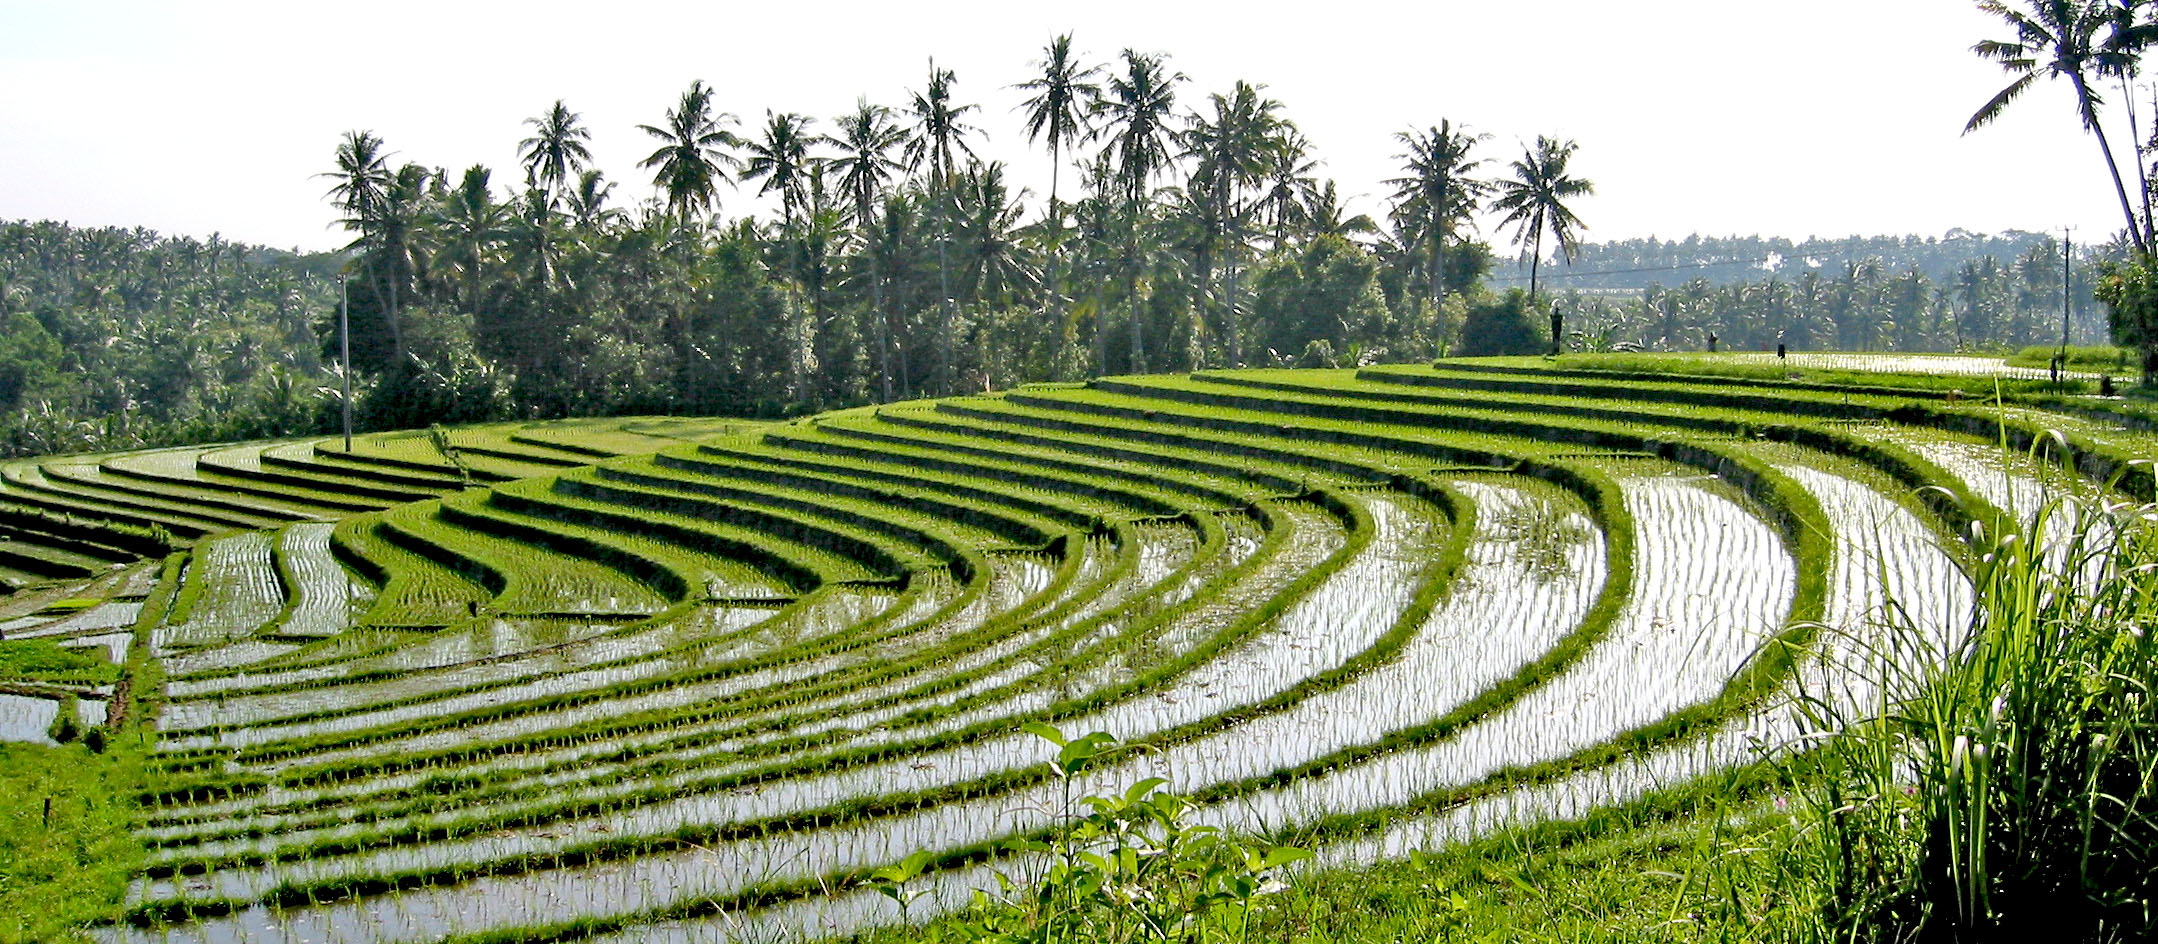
(690,681)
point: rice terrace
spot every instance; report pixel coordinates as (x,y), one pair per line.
(856,537)
(709,686)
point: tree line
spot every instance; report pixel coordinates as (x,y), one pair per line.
(1179,232)
(115,338)
(1980,303)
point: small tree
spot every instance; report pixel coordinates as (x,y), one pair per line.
(2130,291)
(1500,326)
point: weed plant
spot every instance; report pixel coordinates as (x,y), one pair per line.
(2002,781)
(1131,868)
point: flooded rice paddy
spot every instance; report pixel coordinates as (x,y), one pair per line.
(1342,647)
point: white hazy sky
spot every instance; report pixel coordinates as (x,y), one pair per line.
(1829,117)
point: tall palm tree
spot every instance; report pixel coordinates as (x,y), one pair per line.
(556,151)
(1138,103)
(692,159)
(1289,169)
(781,159)
(940,133)
(992,263)
(940,127)
(2059,39)
(471,224)
(380,206)
(1535,201)
(1064,96)
(866,140)
(1438,189)
(360,180)
(1231,150)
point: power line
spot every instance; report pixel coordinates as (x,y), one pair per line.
(1572,274)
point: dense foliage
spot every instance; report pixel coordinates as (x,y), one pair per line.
(115,338)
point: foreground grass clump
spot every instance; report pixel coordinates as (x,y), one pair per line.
(2011,792)
(61,873)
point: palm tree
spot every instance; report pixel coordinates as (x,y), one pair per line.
(691,161)
(939,133)
(781,159)
(2059,38)
(1535,201)
(533,234)
(556,151)
(1437,189)
(380,206)
(1325,216)
(1231,150)
(471,223)
(940,128)
(1064,95)
(866,140)
(1138,103)
(1288,178)
(992,264)
(361,178)
(588,201)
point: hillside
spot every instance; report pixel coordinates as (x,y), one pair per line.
(651,679)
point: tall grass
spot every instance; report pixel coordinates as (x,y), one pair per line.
(1997,780)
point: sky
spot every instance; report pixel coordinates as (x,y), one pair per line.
(1720,117)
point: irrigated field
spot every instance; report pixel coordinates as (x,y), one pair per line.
(698,694)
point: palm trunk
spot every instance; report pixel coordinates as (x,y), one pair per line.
(1536,256)
(944,290)
(884,326)
(2135,139)
(1101,332)
(1131,285)
(2120,189)
(1230,329)
(1056,234)
(1438,253)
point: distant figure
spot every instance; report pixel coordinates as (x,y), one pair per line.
(1712,342)
(1558,324)
(1781,354)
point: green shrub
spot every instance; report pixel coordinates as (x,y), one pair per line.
(1504,325)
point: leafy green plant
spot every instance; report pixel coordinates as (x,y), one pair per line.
(1132,868)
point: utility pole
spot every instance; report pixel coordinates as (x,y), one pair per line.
(2067,278)
(344,345)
